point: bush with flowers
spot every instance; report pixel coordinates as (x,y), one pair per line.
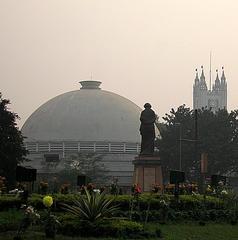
(89,187)
(184,188)
(50,220)
(135,202)
(164,211)
(136,190)
(30,217)
(64,189)
(156,188)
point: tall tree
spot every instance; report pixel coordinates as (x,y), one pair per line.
(217,136)
(12,151)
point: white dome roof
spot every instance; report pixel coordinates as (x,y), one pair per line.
(88,114)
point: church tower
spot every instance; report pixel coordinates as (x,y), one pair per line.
(215,98)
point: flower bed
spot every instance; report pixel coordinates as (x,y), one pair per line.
(186,202)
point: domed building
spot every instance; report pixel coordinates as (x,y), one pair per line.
(85,120)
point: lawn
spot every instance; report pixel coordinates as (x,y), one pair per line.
(193,231)
(183,231)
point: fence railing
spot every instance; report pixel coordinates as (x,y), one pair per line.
(80,146)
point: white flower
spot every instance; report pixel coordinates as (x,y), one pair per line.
(224,192)
(220,183)
(29,210)
(96,190)
(37,215)
(162,202)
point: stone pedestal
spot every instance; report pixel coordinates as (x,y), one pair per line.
(147,172)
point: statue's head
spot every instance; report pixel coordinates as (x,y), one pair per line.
(147,105)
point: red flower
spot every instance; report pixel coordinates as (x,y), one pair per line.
(138,189)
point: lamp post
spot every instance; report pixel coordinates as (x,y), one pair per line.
(180,146)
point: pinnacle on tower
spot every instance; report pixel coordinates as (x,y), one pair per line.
(202,77)
(217,78)
(196,78)
(214,99)
(217,81)
(223,77)
(203,84)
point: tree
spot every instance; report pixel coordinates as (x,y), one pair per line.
(217,136)
(12,151)
(88,164)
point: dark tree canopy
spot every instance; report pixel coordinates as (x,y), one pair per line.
(12,150)
(217,136)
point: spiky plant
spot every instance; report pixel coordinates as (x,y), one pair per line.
(92,206)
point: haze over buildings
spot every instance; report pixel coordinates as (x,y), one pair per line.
(86,120)
(146,51)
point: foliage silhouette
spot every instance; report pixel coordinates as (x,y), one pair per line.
(12,151)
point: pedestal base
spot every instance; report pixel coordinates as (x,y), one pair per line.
(147,172)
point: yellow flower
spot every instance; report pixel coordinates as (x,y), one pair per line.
(48,201)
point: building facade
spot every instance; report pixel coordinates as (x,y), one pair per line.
(89,120)
(214,98)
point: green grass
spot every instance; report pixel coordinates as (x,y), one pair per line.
(39,236)
(183,231)
(193,231)
(10,220)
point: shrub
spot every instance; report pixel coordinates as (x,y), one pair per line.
(8,202)
(104,228)
(188,207)
(9,220)
(121,228)
(186,202)
(92,207)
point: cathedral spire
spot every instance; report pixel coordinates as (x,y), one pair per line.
(202,77)
(202,80)
(196,78)
(223,77)
(217,81)
(214,99)
(217,78)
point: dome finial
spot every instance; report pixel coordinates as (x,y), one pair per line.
(89,84)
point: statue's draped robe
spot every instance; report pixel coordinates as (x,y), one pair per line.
(147,131)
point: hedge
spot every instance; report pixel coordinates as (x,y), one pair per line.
(186,202)
(10,220)
(106,228)
(9,202)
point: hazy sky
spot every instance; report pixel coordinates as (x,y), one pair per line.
(144,50)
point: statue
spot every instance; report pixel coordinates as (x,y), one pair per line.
(147,130)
